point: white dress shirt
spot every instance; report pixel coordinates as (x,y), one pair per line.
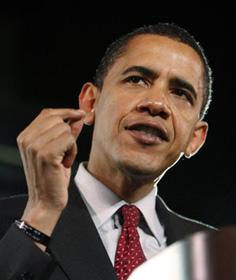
(103,204)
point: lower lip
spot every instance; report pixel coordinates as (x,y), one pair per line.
(144,138)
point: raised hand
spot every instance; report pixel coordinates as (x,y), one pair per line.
(48,149)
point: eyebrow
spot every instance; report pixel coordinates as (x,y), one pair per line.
(147,72)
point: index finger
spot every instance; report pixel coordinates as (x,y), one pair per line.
(65,113)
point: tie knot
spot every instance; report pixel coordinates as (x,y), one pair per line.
(131,215)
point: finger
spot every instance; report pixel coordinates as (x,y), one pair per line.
(39,126)
(46,120)
(70,156)
(55,114)
(61,150)
(34,145)
(76,127)
(65,114)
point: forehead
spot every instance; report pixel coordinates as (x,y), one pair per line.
(163,55)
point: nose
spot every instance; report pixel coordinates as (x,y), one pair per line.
(154,108)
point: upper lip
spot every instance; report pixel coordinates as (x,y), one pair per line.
(160,130)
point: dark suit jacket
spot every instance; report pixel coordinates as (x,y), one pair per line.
(76,251)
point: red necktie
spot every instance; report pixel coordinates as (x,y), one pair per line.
(129,253)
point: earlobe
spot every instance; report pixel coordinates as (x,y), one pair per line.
(87,100)
(89,118)
(197,139)
(187,155)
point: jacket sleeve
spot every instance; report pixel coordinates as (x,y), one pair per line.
(20,258)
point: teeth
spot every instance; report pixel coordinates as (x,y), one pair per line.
(146,129)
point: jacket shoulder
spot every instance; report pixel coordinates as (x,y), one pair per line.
(177,226)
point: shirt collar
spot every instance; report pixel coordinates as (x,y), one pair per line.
(102,203)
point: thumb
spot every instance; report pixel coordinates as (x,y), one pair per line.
(69,157)
(76,125)
(76,128)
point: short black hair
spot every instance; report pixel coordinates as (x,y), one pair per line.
(170,30)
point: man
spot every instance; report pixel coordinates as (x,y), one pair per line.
(147,103)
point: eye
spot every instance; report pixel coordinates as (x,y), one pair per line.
(183,94)
(138,80)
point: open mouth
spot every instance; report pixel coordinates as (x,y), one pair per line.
(147,133)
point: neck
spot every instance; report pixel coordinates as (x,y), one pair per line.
(128,185)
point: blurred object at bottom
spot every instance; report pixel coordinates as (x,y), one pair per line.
(202,256)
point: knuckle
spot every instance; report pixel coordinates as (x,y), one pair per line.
(33,150)
(66,128)
(22,142)
(19,139)
(46,111)
(43,155)
(40,154)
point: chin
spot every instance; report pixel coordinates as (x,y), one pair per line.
(140,169)
(144,164)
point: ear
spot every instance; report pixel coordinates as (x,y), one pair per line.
(197,139)
(87,99)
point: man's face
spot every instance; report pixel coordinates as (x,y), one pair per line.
(147,113)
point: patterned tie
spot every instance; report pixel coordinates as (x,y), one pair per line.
(129,253)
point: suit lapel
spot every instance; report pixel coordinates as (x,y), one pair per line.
(76,244)
(176,226)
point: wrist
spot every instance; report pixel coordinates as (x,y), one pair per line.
(33,233)
(41,218)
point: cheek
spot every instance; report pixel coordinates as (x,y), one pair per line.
(183,110)
(108,114)
(183,125)
(112,108)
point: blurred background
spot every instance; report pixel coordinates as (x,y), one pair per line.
(47,53)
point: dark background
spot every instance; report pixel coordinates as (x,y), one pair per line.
(46,54)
